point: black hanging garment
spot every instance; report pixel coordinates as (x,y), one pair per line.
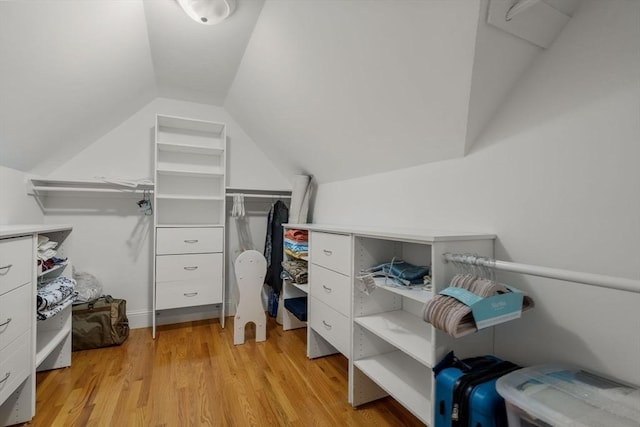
(273,251)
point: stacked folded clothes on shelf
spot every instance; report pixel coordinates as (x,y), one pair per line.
(47,254)
(296,243)
(54,296)
(295,270)
(401,273)
(455,317)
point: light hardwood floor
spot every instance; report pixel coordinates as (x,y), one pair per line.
(193,375)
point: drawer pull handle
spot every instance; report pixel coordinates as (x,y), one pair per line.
(6,377)
(191,268)
(6,267)
(190,294)
(326,289)
(7,322)
(326,325)
(327,252)
(191,241)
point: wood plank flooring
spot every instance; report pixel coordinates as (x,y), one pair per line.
(193,375)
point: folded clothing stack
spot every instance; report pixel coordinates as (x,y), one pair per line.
(54,296)
(296,243)
(403,273)
(47,254)
(295,270)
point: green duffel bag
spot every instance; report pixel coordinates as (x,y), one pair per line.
(100,323)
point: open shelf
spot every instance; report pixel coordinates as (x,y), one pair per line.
(187,197)
(304,288)
(403,330)
(45,185)
(416,293)
(47,342)
(190,172)
(403,378)
(190,148)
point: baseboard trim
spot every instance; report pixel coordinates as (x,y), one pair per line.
(144,318)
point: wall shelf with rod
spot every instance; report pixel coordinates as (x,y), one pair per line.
(41,187)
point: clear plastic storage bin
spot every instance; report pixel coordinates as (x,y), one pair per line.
(561,395)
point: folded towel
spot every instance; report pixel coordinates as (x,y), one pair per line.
(297,235)
(52,311)
(52,293)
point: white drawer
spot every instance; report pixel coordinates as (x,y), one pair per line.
(189,240)
(188,280)
(334,289)
(188,267)
(15,364)
(16,314)
(331,325)
(188,293)
(16,262)
(332,251)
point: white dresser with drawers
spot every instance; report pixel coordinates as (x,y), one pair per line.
(329,300)
(188,267)
(17,315)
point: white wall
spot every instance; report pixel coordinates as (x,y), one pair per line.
(67,77)
(375,84)
(556,177)
(16,207)
(111,239)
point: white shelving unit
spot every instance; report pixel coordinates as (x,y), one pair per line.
(53,336)
(28,345)
(290,289)
(393,348)
(189,206)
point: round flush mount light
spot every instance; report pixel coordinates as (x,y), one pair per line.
(208,12)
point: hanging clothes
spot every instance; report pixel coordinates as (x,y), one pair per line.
(273,250)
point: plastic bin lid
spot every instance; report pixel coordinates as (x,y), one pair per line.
(563,395)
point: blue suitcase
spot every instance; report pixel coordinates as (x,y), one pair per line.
(466,392)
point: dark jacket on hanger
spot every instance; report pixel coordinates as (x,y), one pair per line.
(273,252)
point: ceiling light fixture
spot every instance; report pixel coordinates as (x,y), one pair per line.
(208,12)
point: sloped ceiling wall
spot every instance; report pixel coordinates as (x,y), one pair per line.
(352,88)
(69,71)
(335,89)
(196,62)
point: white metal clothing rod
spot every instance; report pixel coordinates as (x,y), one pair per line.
(599,280)
(260,196)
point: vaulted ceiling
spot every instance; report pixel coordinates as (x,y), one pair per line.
(336,89)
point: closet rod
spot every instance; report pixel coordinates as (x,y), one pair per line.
(260,196)
(599,280)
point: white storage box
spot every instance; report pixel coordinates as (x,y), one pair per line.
(561,395)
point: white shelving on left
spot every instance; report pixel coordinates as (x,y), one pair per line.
(28,345)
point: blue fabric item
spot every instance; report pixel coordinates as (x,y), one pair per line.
(272,308)
(297,307)
(403,270)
